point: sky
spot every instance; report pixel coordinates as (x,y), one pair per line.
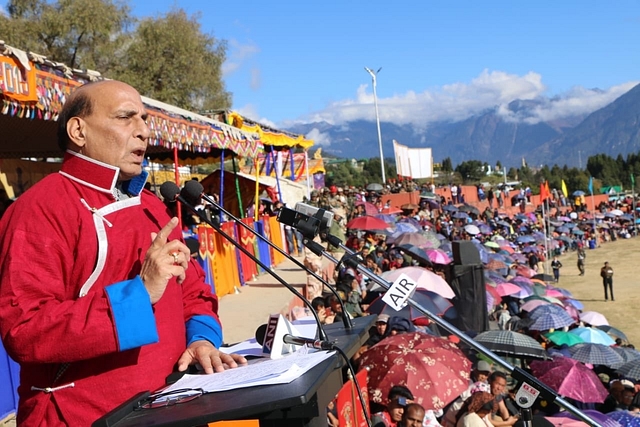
(303,61)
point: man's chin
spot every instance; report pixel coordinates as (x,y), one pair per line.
(129,173)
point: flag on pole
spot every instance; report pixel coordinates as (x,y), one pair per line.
(564,189)
(348,404)
(544,192)
(633,181)
(591,185)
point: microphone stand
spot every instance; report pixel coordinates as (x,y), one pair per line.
(345,319)
(321,333)
(518,374)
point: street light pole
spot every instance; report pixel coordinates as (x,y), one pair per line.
(375,101)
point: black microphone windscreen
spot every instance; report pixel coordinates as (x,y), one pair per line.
(260,333)
(192,190)
(169,191)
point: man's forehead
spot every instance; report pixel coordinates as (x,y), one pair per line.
(114,96)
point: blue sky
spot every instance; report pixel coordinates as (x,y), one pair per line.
(292,61)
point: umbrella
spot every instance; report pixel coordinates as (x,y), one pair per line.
(505,289)
(484,228)
(602,419)
(552,321)
(593,335)
(628,354)
(529,249)
(596,354)
(370,209)
(450,208)
(428,195)
(438,256)
(593,318)
(367,223)
(562,338)
(566,422)
(390,210)
(544,277)
(521,280)
(525,239)
(625,418)
(494,264)
(430,301)
(405,227)
(425,279)
(472,229)
(533,304)
(511,343)
(523,270)
(577,304)
(615,332)
(433,368)
(409,206)
(460,215)
(570,378)
(416,253)
(578,193)
(374,187)
(547,310)
(630,369)
(469,209)
(415,239)
(433,241)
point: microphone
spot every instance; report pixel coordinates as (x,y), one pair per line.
(309,342)
(171,192)
(194,191)
(261,333)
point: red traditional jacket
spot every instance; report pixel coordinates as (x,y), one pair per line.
(74,312)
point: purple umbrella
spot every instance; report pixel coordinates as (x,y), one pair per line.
(602,419)
(570,378)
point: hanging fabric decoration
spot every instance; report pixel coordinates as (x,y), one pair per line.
(235,173)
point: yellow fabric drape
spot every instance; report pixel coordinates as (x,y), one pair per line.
(268,137)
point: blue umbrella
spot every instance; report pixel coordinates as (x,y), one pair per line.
(562,229)
(552,321)
(627,354)
(390,219)
(547,310)
(450,208)
(529,249)
(596,354)
(460,215)
(624,418)
(570,225)
(405,227)
(484,255)
(630,369)
(577,232)
(525,239)
(578,193)
(503,223)
(577,304)
(593,335)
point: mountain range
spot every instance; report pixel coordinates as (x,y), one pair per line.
(495,136)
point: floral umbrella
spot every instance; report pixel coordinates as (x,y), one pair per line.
(409,238)
(570,378)
(601,418)
(433,368)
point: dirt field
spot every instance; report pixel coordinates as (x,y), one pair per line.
(623,257)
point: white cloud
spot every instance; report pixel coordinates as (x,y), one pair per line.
(256,78)
(320,139)
(491,90)
(250,111)
(238,54)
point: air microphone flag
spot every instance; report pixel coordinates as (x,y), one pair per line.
(564,189)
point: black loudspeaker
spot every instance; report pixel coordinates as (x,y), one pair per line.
(467,282)
(465,252)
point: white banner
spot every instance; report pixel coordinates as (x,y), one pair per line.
(413,162)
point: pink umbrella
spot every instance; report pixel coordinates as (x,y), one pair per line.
(570,378)
(369,208)
(505,289)
(566,422)
(533,304)
(525,271)
(438,256)
(572,311)
(367,223)
(594,318)
(424,278)
(554,293)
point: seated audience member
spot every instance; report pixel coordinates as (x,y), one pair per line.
(498,384)
(399,397)
(399,325)
(451,413)
(377,332)
(318,305)
(613,399)
(626,396)
(476,411)
(413,416)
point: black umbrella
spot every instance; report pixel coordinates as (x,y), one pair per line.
(469,209)
(374,187)
(450,208)
(511,343)
(416,253)
(544,277)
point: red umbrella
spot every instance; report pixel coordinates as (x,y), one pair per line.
(525,271)
(433,368)
(367,223)
(390,210)
(570,378)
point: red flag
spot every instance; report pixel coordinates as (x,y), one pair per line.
(348,404)
(546,187)
(544,191)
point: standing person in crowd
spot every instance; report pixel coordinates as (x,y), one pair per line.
(606,272)
(533,261)
(117,303)
(582,255)
(556,265)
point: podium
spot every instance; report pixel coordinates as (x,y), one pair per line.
(301,403)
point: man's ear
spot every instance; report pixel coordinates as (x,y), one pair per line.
(76,130)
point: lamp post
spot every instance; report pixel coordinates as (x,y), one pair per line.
(375,101)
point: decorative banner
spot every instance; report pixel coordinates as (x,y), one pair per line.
(16,82)
(413,162)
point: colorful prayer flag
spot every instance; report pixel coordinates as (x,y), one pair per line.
(564,189)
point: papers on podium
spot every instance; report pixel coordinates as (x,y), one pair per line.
(256,372)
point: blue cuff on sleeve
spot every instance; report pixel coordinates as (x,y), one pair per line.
(204,328)
(132,314)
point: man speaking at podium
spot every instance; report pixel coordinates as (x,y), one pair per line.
(99,298)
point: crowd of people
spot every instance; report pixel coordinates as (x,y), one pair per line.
(513,247)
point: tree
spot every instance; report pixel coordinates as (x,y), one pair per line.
(171,60)
(447,166)
(79,33)
(167,58)
(470,170)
